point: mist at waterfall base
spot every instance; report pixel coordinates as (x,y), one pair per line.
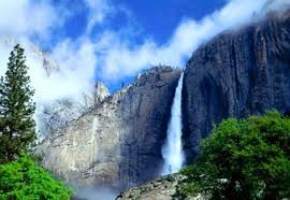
(172,150)
(95,193)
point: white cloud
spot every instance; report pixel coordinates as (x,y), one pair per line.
(51,80)
(76,73)
(119,59)
(112,56)
(25,17)
(67,72)
(75,59)
(115,55)
(99,9)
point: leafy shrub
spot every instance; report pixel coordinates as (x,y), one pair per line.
(23,179)
(243,159)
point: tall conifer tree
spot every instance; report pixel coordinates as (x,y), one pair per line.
(17,127)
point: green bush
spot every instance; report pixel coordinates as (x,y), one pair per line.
(243,159)
(23,179)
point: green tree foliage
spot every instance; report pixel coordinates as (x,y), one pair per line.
(17,127)
(23,179)
(243,159)
(20,176)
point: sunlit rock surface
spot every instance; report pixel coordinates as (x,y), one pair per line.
(162,189)
(118,143)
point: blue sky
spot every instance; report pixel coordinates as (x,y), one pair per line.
(113,40)
(137,21)
(156,19)
(159,18)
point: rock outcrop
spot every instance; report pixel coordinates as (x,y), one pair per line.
(118,143)
(237,74)
(163,188)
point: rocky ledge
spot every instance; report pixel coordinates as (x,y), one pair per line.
(162,189)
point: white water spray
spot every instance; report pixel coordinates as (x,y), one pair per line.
(172,151)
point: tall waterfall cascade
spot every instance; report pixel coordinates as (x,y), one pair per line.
(172,150)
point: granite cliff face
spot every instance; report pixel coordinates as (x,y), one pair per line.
(118,143)
(59,113)
(237,74)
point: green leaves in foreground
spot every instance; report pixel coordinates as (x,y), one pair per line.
(243,159)
(25,180)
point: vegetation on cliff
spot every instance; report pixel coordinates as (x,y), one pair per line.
(21,177)
(243,159)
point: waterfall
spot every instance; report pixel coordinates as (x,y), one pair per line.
(172,150)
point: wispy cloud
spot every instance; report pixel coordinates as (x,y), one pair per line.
(26,18)
(98,10)
(111,55)
(121,58)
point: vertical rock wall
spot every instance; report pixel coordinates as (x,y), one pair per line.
(237,74)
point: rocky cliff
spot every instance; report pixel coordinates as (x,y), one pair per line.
(59,113)
(237,74)
(118,143)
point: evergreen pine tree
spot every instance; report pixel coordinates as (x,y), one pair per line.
(17,127)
